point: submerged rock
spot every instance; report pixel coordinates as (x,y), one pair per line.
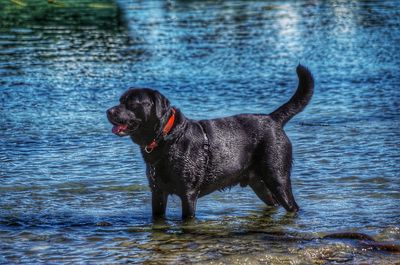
(103,223)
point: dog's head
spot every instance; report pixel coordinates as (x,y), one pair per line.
(139,112)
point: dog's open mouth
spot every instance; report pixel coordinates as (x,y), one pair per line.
(120,129)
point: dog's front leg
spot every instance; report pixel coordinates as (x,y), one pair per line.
(189,206)
(159,203)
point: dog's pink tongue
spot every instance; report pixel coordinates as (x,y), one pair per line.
(119,128)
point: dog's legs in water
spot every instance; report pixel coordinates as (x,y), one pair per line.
(261,190)
(280,186)
(188,206)
(159,203)
(275,171)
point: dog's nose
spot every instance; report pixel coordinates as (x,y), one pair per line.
(110,111)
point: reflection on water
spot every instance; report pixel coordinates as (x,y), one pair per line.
(72,192)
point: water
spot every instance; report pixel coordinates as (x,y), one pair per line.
(71,192)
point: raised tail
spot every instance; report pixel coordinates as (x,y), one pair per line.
(299,100)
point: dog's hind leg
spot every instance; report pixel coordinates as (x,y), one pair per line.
(275,171)
(261,190)
(280,186)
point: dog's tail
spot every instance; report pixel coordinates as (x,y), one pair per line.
(299,100)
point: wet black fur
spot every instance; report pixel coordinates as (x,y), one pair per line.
(202,156)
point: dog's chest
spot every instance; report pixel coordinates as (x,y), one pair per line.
(182,168)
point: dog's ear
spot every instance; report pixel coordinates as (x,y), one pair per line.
(161,104)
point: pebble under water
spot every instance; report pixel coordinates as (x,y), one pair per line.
(72,192)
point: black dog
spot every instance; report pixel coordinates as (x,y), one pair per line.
(193,158)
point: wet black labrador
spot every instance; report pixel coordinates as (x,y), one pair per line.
(192,158)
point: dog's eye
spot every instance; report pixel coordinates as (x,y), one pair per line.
(136,105)
(133,106)
(146,104)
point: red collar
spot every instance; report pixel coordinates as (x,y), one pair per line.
(165,131)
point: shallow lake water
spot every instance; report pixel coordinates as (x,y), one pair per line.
(72,192)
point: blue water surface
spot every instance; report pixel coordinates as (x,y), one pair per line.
(72,192)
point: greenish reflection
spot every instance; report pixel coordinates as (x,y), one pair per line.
(23,13)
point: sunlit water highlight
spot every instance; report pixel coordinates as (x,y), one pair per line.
(72,192)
